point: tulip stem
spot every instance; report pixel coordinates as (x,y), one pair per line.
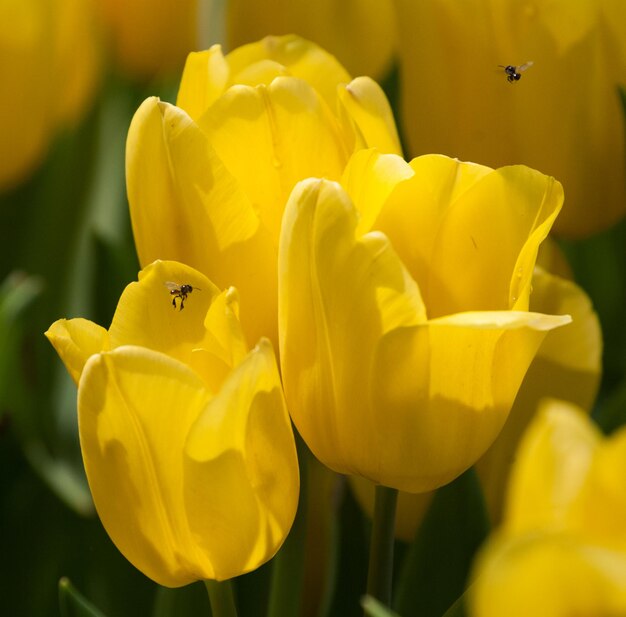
(381,545)
(221,598)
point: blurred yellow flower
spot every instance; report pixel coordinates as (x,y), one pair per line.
(186,440)
(208,179)
(360,33)
(47,84)
(402,351)
(151,38)
(563,116)
(561,549)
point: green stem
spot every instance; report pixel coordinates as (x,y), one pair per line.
(221,598)
(381,545)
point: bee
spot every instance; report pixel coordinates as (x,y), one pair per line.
(513,73)
(179,292)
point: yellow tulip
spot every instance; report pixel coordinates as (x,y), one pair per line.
(208,179)
(561,549)
(185,437)
(151,38)
(402,349)
(564,114)
(361,33)
(48,84)
(567,365)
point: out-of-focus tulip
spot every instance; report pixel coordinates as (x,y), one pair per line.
(208,179)
(561,549)
(564,114)
(48,84)
(152,38)
(361,33)
(185,437)
(402,351)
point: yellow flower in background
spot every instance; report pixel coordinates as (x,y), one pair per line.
(186,440)
(402,351)
(561,549)
(360,33)
(48,85)
(208,179)
(563,116)
(152,38)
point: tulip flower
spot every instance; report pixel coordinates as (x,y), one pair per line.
(38,62)
(403,311)
(185,437)
(563,116)
(561,549)
(208,179)
(361,33)
(151,38)
(567,365)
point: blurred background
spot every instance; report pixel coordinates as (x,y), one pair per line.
(72,74)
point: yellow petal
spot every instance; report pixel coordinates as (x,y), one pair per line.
(184,204)
(301,58)
(369,179)
(366,103)
(135,409)
(553,463)
(289,134)
(567,366)
(574,578)
(145,316)
(449,385)
(470,235)
(243,469)
(337,295)
(75,340)
(204,79)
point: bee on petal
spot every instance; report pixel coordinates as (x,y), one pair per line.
(513,73)
(179,292)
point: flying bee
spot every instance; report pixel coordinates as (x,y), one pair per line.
(179,292)
(513,73)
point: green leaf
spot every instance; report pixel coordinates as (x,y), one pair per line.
(373,608)
(437,565)
(73,604)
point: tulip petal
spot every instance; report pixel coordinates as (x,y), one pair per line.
(290,134)
(145,317)
(301,58)
(75,340)
(369,179)
(367,105)
(244,440)
(337,295)
(472,237)
(574,578)
(135,408)
(174,182)
(204,79)
(451,384)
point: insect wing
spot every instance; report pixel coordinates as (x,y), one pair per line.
(525,66)
(172,286)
